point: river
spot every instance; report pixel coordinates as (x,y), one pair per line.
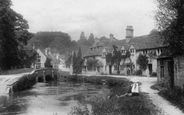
(51,98)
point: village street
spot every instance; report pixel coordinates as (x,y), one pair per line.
(163,105)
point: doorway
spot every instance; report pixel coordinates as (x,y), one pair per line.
(110,69)
(150,69)
(171,72)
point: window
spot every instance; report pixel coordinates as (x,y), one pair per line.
(38,58)
(91,49)
(161,68)
(131,50)
(123,51)
(144,51)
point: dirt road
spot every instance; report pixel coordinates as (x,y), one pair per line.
(163,105)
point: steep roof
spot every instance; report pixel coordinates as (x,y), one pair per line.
(84,49)
(150,41)
(144,42)
(94,52)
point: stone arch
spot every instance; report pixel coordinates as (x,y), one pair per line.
(49,78)
(40,78)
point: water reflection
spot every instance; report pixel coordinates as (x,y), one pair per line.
(50,98)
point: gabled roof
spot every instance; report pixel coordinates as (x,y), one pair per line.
(30,52)
(95,52)
(150,41)
(42,51)
(84,49)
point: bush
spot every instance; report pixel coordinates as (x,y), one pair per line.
(138,105)
(138,72)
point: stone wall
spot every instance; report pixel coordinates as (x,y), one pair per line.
(162,65)
(179,71)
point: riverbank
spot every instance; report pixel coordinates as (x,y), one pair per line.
(112,105)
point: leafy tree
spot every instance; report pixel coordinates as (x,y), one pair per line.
(169,17)
(83,40)
(109,59)
(27,57)
(13,34)
(48,63)
(59,42)
(92,64)
(117,57)
(142,60)
(91,39)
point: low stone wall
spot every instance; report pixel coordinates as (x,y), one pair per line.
(25,82)
(179,71)
(28,80)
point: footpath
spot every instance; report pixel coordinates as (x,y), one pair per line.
(165,107)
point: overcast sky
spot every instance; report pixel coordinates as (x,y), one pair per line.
(100,17)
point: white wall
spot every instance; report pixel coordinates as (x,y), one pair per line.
(42,59)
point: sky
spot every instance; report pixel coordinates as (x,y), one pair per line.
(100,17)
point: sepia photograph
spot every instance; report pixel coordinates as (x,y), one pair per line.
(91,57)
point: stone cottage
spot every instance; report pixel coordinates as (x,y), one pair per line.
(150,45)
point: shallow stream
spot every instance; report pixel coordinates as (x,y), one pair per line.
(51,98)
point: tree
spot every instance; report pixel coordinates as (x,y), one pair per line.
(109,59)
(13,34)
(78,62)
(27,57)
(142,60)
(91,39)
(92,64)
(59,42)
(117,57)
(48,63)
(169,17)
(83,40)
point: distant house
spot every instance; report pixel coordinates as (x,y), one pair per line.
(96,52)
(41,58)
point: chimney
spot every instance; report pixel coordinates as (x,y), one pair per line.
(111,37)
(129,33)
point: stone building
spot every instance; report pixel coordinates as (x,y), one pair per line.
(171,71)
(150,45)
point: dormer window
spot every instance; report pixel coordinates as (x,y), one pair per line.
(131,50)
(144,51)
(123,52)
(91,49)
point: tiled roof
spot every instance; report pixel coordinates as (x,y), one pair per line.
(150,41)
(95,52)
(84,49)
(164,54)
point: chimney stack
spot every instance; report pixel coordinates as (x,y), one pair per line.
(129,33)
(111,37)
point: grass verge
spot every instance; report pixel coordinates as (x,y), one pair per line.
(137,105)
(174,96)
